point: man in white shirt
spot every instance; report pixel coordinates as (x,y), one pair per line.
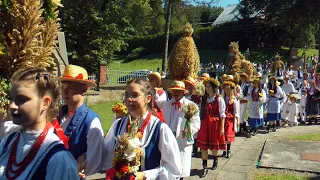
(288,87)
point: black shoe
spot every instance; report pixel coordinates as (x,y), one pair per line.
(228,154)
(224,153)
(204,172)
(247,135)
(215,164)
(254,132)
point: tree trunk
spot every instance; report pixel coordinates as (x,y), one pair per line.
(167,31)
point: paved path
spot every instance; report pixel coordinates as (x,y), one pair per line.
(245,153)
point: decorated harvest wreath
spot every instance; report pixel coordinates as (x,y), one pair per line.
(28,33)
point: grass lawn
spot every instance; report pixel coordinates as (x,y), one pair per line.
(280,177)
(306,137)
(154,61)
(105,112)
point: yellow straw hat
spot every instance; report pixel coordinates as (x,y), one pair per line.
(77,74)
(190,81)
(178,86)
(228,78)
(156,75)
(204,76)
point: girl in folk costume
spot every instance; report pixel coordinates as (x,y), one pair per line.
(37,150)
(232,114)
(159,147)
(306,75)
(190,84)
(257,97)
(299,76)
(243,102)
(285,110)
(175,118)
(211,134)
(312,102)
(293,110)
(80,123)
(160,96)
(273,109)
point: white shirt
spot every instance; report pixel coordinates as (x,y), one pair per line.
(95,147)
(7,127)
(170,166)
(288,88)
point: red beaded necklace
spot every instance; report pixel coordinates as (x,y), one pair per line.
(144,124)
(27,160)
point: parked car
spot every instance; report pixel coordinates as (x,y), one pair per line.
(135,74)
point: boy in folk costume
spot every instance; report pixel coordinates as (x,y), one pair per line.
(243,102)
(302,106)
(175,118)
(232,114)
(299,76)
(160,96)
(257,98)
(274,95)
(81,124)
(211,134)
(190,84)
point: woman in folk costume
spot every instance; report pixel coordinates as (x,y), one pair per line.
(299,76)
(273,100)
(80,123)
(160,96)
(160,149)
(232,114)
(257,97)
(190,84)
(211,134)
(243,102)
(37,150)
(312,106)
(175,118)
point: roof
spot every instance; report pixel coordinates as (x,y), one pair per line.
(231,14)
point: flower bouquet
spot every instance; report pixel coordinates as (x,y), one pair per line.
(259,102)
(128,153)
(189,111)
(200,89)
(120,109)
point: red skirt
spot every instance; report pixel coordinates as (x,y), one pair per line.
(209,135)
(229,130)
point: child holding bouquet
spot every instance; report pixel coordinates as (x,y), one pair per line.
(275,93)
(143,140)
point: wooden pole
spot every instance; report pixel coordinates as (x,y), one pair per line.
(167,31)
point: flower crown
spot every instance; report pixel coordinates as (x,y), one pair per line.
(232,84)
(119,108)
(211,80)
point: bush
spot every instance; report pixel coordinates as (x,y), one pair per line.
(137,53)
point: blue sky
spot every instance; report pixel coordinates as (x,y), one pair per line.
(225,3)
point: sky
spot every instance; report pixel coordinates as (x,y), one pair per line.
(225,3)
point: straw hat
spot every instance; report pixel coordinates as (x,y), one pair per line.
(77,74)
(305,71)
(223,77)
(258,75)
(278,83)
(156,75)
(228,78)
(273,77)
(286,77)
(178,86)
(205,76)
(244,75)
(190,81)
(296,96)
(299,68)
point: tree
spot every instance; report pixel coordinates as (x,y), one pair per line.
(95,30)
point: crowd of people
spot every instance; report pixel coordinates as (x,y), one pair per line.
(43,140)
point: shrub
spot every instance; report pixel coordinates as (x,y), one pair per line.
(137,53)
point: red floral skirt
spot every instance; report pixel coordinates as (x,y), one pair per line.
(229,130)
(209,135)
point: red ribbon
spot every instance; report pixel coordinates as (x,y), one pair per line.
(80,77)
(180,87)
(60,133)
(177,105)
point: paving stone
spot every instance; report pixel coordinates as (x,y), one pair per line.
(238,141)
(239,161)
(236,168)
(247,154)
(227,175)
(250,146)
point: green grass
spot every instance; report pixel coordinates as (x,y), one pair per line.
(105,113)
(154,61)
(306,137)
(280,177)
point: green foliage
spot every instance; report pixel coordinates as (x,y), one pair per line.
(137,53)
(306,137)
(5,87)
(105,112)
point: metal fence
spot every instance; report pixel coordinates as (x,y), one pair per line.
(121,77)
